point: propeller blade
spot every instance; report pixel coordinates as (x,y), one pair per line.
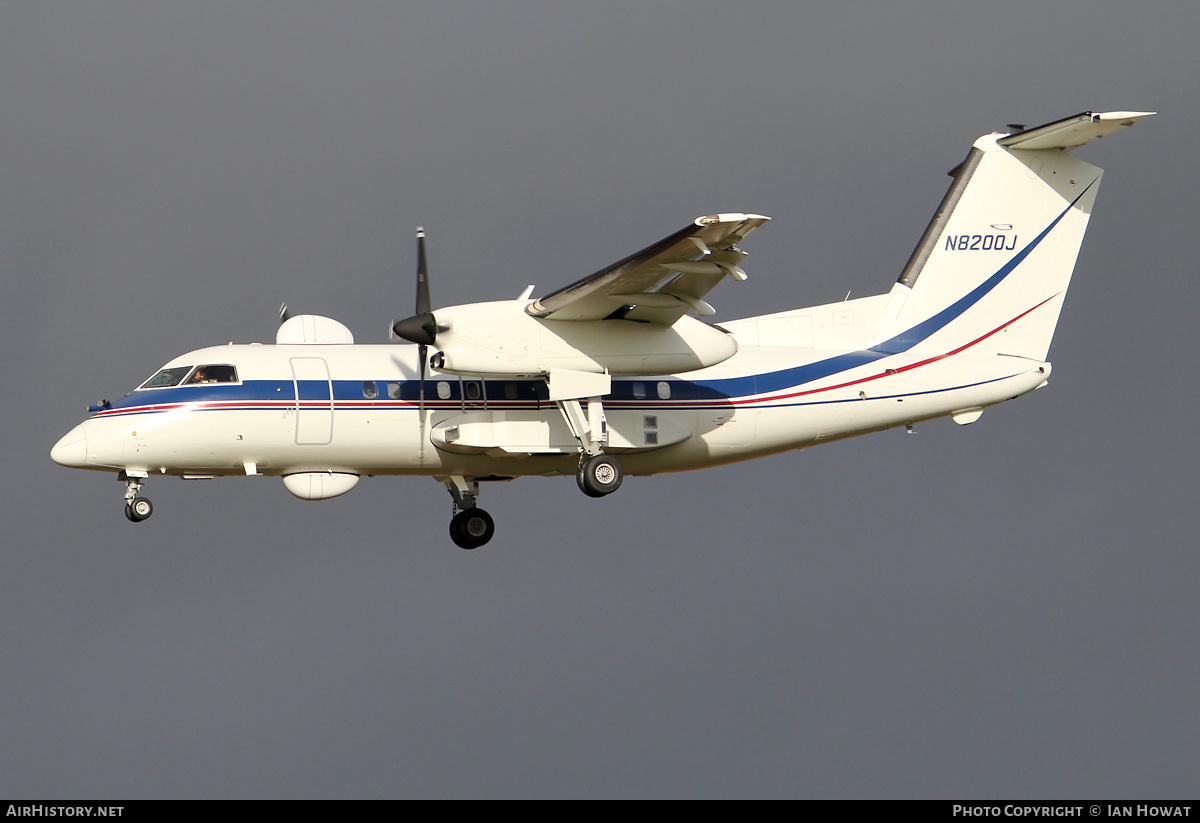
(423,304)
(423,353)
(284,316)
(422,328)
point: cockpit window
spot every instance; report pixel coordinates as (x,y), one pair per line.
(166,377)
(212,374)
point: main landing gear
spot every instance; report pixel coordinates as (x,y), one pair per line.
(471,527)
(598,475)
(137,508)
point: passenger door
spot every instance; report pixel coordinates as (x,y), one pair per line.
(314,401)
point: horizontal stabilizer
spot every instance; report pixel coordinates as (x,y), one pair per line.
(1073,132)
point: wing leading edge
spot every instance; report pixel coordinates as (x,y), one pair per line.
(662,282)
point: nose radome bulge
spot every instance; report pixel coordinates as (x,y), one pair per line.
(71,449)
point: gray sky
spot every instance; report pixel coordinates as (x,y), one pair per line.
(1001,610)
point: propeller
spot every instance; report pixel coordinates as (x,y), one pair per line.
(284,315)
(422,327)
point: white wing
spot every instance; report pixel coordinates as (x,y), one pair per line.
(662,282)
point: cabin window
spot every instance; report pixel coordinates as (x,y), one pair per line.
(664,389)
(394,390)
(472,390)
(369,390)
(166,377)
(510,391)
(443,390)
(212,374)
(639,391)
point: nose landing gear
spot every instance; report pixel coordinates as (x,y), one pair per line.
(137,508)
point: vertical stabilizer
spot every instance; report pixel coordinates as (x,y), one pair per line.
(992,268)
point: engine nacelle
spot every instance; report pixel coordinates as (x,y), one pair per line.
(319,485)
(501,338)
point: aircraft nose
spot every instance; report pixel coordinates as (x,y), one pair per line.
(71,449)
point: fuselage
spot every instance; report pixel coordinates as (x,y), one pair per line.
(358,409)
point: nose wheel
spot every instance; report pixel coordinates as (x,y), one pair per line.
(139,509)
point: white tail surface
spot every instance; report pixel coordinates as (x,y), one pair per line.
(992,269)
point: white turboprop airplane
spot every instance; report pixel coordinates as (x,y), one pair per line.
(611,375)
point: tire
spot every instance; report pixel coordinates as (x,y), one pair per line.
(583,486)
(139,509)
(472,528)
(600,475)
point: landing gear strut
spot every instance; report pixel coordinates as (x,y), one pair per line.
(471,527)
(137,508)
